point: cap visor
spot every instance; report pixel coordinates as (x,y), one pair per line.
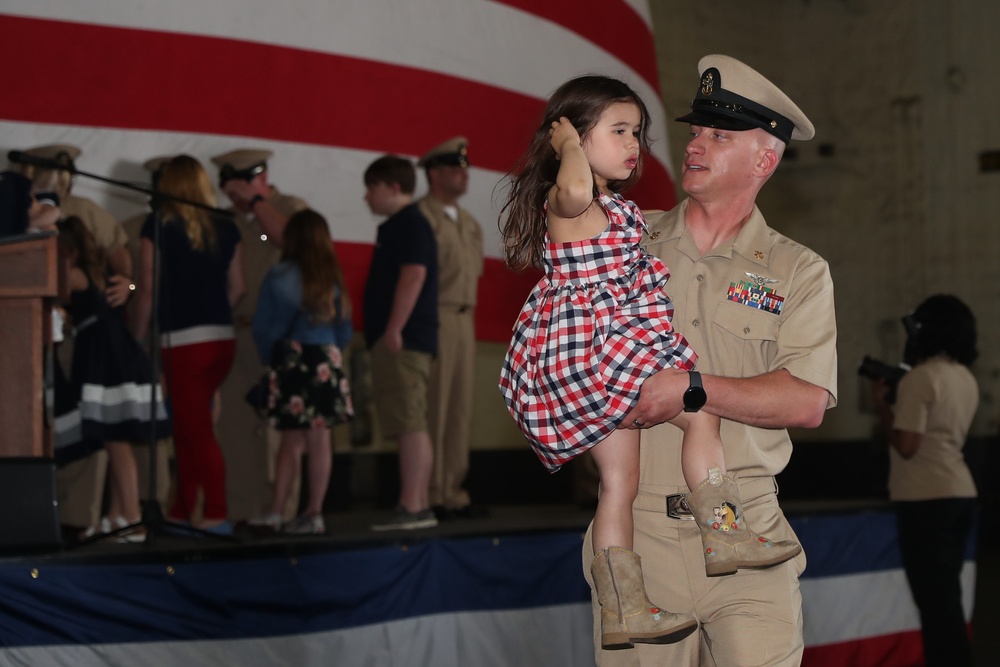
(716,120)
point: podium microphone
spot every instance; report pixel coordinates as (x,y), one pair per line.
(63,161)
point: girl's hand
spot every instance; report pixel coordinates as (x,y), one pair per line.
(563,134)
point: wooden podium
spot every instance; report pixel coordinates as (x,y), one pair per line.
(29,275)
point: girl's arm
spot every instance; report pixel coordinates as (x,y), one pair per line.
(573,192)
(343,328)
(76,279)
(572,214)
(236,284)
(144,304)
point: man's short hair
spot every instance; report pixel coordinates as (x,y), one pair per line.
(392,170)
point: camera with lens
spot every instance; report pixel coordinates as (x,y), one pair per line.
(873,369)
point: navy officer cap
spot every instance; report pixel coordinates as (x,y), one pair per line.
(734,96)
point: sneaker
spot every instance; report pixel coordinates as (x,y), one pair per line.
(130,532)
(269,521)
(103,527)
(402,519)
(306,525)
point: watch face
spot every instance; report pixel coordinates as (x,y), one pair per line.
(694,399)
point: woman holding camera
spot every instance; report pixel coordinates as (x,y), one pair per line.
(930,485)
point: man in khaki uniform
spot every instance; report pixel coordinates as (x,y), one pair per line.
(249,446)
(460,264)
(80,484)
(758,308)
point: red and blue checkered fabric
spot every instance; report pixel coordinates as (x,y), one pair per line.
(592,330)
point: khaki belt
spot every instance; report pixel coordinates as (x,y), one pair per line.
(675,504)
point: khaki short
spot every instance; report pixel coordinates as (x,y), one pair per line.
(400,383)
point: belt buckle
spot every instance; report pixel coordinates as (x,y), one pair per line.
(677,507)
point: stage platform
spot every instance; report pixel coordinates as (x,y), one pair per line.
(503,590)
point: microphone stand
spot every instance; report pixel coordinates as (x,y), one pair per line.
(152,514)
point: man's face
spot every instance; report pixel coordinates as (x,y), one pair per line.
(452,180)
(381,197)
(241,192)
(720,162)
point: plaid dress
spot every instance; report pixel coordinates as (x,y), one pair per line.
(594,327)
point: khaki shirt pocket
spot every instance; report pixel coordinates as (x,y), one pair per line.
(748,336)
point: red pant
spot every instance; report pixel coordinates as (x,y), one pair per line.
(193,373)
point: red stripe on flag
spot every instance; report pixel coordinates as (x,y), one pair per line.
(904,649)
(141,79)
(631,39)
(501,291)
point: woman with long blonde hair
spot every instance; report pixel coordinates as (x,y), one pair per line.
(301,325)
(200,279)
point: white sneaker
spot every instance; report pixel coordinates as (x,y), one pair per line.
(402,519)
(306,525)
(103,527)
(270,520)
(134,532)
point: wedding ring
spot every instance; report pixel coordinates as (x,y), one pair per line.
(637,423)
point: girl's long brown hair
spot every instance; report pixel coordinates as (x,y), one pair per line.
(307,243)
(184,177)
(582,101)
(89,257)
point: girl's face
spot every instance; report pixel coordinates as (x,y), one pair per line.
(612,144)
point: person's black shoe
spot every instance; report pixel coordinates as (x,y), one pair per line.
(470,512)
(443,513)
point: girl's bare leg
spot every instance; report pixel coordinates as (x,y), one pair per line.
(124,481)
(287,466)
(702,449)
(617,458)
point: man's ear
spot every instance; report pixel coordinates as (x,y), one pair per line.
(767,162)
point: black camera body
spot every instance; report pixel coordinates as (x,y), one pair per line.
(873,369)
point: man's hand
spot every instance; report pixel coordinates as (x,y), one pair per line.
(118,290)
(661,399)
(240,192)
(393,341)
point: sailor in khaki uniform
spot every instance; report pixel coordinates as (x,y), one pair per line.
(758,308)
(80,484)
(460,264)
(249,446)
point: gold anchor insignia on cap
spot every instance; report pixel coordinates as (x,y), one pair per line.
(707,83)
(757,254)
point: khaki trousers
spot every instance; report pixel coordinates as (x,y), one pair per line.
(450,406)
(749,619)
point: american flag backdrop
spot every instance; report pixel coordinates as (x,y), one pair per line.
(328,86)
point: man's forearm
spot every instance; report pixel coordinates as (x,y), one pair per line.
(774,400)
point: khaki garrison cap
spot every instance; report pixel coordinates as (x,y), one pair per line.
(734,96)
(58,152)
(241,164)
(453,152)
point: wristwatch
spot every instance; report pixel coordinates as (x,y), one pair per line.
(694,396)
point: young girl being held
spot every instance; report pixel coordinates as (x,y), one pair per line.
(596,325)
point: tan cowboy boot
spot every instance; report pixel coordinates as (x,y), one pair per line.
(729,542)
(627,615)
